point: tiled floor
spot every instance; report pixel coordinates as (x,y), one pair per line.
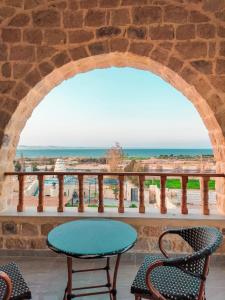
(46,277)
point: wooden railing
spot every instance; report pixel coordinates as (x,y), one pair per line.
(204,180)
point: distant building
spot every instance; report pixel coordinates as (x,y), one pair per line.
(60,165)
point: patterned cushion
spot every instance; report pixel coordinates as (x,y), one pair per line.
(171,282)
(20,288)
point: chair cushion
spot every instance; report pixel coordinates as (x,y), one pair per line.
(171,282)
(20,288)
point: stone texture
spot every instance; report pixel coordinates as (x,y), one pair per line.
(140,48)
(45,68)
(29,229)
(220,66)
(20,53)
(46,18)
(80,36)
(135,32)
(60,59)
(119,44)
(11,35)
(78,53)
(98,48)
(175,14)
(19,69)
(88,3)
(72,19)
(147,15)
(108,31)
(120,17)
(20,20)
(33,77)
(55,37)
(6,70)
(165,32)
(33,36)
(9,228)
(206,31)
(203,66)
(185,32)
(198,17)
(189,50)
(95,18)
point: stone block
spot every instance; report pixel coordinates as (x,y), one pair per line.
(19,53)
(198,17)
(185,32)
(33,36)
(220,66)
(9,228)
(202,66)
(120,17)
(193,49)
(73,19)
(146,15)
(3,52)
(20,91)
(161,32)
(78,53)
(80,36)
(20,69)
(6,70)
(109,3)
(29,229)
(38,244)
(98,48)
(6,86)
(16,243)
(44,52)
(29,4)
(45,68)
(141,48)
(175,14)
(206,31)
(46,18)
(135,32)
(175,64)
(33,78)
(20,20)
(108,31)
(88,4)
(222,49)
(95,18)
(55,37)
(119,44)
(61,59)
(11,35)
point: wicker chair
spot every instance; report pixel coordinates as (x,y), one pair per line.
(12,284)
(179,278)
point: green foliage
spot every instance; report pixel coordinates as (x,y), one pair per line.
(17,166)
(133,205)
(193,184)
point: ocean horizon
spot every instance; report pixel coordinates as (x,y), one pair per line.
(95,152)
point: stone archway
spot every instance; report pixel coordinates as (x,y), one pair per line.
(45,42)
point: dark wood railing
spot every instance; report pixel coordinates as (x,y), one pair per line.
(204,180)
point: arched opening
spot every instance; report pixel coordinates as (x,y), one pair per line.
(37,93)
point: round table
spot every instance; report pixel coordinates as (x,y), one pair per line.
(90,239)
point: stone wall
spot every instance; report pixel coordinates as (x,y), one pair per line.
(43,42)
(29,233)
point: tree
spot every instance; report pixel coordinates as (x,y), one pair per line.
(114,158)
(17,166)
(134,166)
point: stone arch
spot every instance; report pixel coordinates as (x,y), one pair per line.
(45,42)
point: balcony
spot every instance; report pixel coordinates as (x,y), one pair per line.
(26,225)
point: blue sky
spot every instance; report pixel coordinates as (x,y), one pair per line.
(133,107)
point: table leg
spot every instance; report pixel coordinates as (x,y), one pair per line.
(68,290)
(114,291)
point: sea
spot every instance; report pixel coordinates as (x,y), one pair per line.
(33,152)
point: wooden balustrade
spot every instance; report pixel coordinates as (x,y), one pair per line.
(61,193)
(184,209)
(163,208)
(100,194)
(81,193)
(204,182)
(141,194)
(121,194)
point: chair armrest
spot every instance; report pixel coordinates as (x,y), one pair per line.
(170,231)
(8,283)
(150,286)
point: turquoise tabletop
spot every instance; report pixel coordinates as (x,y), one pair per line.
(92,238)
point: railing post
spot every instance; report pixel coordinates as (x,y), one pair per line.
(81,193)
(205,195)
(141,194)
(121,194)
(184,209)
(163,208)
(41,193)
(100,194)
(21,193)
(61,193)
